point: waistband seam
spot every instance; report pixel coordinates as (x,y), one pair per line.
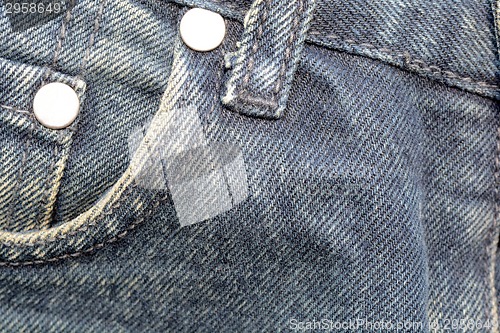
(409,59)
(405,61)
(402,59)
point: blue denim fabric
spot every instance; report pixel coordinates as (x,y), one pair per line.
(33,157)
(371,175)
(257,85)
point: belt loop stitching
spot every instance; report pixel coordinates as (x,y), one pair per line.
(241,96)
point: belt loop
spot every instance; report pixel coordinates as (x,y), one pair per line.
(263,68)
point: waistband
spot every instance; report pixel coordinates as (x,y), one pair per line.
(453,42)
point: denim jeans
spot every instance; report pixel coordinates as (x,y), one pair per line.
(331,166)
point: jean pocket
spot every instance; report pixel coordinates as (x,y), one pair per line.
(32,162)
(32,157)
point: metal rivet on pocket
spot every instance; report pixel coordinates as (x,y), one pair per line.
(56,105)
(202,30)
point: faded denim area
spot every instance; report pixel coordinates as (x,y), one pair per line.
(371,183)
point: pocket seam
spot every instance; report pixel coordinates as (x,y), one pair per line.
(93,248)
(407,62)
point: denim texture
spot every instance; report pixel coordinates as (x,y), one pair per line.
(33,158)
(372,182)
(259,86)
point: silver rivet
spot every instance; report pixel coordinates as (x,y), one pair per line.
(202,30)
(56,105)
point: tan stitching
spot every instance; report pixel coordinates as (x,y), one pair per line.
(260,31)
(60,39)
(409,60)
(97,26)
(286,60)
(45,209)
(110,210)
(51,188)
(47,73)
(11,108)
(89,250)
(251,99)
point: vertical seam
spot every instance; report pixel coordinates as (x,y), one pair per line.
(46,209)
(97,26)
(288,49)
(59,40)
(56,171)
(251,58)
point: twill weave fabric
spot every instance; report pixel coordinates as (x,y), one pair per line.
(331,163)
